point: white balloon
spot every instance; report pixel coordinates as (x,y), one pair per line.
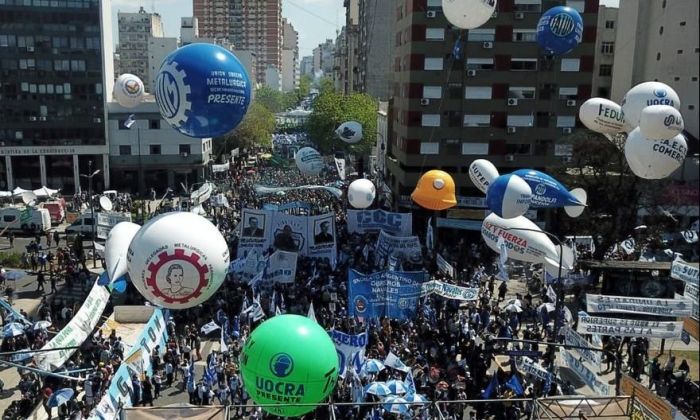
(482,173)
(350,132)
(602,116)
(116,247)
(661,122)
(468,14)
(529,245)
(128,90)
(361,193)
(178,260)
(644,95)
(654,159)
(309,161)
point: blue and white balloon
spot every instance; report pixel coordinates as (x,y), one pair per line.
(644,95)
(361,193)
(547,192)
(350,132)
(309,161)
(661,122)
(203,90)
(559,30)
(509,196)
(128,90)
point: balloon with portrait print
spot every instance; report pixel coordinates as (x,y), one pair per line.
(468,14)
(654,159)
(509,196)
(128,90)
(482,173)
(361,193)
(660,122)
(602,116)
(559,30)
(644,95)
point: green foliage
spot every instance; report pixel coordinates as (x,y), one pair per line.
(304,86)
(256,129)
(10,259)
(332,109)
(274,100)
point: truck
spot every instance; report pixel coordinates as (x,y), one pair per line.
(25,219)
(57,210)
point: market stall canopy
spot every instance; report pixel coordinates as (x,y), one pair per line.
(45,192)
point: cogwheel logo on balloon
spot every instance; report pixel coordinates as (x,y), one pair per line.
(132,87)
(562,25)
(172,94)
(177,277)
(540,189)
(281,365)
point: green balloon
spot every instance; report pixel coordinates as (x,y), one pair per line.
(289,360)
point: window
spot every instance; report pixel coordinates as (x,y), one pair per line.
(683,23)
(483,120)
(521,92)
(125,150)
(479,63)
(184,149)
(430,120)
(154,149)
(435,34)
(570,64)
(578,5)
(477,92)
(568,93)
(658,56)
(519,121)
(607,48)
(566,121)
(661,30)
(527,5)
(679,51)
(477,35)
(525,35)
(433,63)
(154,124)
(475,148)
(609,24)
(432,92)
(518,149)
(523,64)
(8,218)
(605,70)
(434,3)
(691,107)
(429,148)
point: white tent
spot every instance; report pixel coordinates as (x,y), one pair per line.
(45,192)
(18,191)
(5,194)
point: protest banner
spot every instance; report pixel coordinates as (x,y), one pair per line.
(449,291)
(262,190)
(364,221)
(76,332)
(350,348)
(445,267)
(292,205)
(573,338)
(588,376)
(281,267)
(629,327)
(527,365)
(652,406)
(681,270)
(400,248)
(392,294)
(638,305)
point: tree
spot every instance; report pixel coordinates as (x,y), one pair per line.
(255,130)
(615,194)
(332,109)
(304,86)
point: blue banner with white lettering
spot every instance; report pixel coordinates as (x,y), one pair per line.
(350,348)
(292,205)
(392,294)
(363,221)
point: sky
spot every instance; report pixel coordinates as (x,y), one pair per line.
(315,20)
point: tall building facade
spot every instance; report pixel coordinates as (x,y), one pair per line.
(214,17)
(501,99)
(135,30)
(290,57)
(604,51)
(307,66)
(56,64)
(324,58)
(347,49)
(658,40)
(375,21)
(158,49)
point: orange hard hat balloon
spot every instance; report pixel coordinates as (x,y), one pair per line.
(435,191)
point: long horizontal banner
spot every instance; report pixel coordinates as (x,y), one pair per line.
(392,294)
(573,338)
(262,190)
(629,327)
(449,291)
(583,372)
(292,205)
(363,221)
(681,270)
(638,305)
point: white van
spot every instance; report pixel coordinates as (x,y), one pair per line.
(83,224)
(25,219)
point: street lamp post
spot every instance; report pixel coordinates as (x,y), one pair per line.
(92,208)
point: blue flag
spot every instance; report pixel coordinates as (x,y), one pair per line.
(457,49)
(514,385)
(491,388)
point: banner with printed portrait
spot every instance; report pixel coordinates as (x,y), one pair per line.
(282,267)
(400,248)
(255,226)
(364,221)
(322,243)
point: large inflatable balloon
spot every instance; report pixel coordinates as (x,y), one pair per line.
(644,95)
(178,260)
(309,161)
(661,122)
(559,30)
(525,241)
(128,90)
(202,90)
(547,192)
(482,173)
(435,191)
(361,193)
(654,159)
(468,14)
(509,196)
(350,132)
(116,248)
(602,116)
(290,360)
